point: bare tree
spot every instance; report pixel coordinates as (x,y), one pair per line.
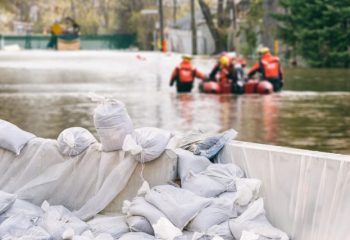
(217,35)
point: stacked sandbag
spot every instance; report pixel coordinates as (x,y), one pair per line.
(219,211)
(56,220)
(253,220)
(216,202)
(139,224)
(166,209)
(19,219)
(112,124)
(116,226)
(179,205)
(138,236)
(146,144)
(12,138)
(74,141)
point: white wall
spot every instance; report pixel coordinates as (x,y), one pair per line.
(306,193)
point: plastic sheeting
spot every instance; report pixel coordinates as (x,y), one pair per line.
(306,193)
(85,184)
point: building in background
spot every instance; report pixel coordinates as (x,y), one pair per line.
(180,35)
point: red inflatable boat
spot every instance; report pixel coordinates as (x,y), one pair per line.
(250,87)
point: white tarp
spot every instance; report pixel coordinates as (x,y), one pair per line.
(306,193)
(85,184)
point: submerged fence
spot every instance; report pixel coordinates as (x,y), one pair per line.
(89,42)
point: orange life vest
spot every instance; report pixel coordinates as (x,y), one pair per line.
(270,66)
(186,72)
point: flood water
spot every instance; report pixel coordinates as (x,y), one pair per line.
(46,92)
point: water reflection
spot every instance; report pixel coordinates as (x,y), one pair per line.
(46,101)
(185,108)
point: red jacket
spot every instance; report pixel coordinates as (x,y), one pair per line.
(269,66)
(185,73)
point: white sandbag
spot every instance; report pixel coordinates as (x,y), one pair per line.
(57,219)
(247,190)
(178,205)
(78,237)
(6,201)
(16,225)
(137,235)
(219,211)
(216,179)
(202,185)
(226,174)
(139,224)
(104,236)
(254,220)
(73,141)
(186,235)
(33,233)
(232,196)
(146,144)
(140,207)
(88,235)
(165,230)
(112,124)
(22,207)
(68,233)
(229,196)
(188,162)
(12,138)
(222,230)
(114,225)
(249,236)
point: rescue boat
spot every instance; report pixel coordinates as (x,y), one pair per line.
(252,86)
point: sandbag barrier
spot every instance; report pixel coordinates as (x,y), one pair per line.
(211,200)
(233,210)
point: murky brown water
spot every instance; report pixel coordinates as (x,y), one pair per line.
(46,92)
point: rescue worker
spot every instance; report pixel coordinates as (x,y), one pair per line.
(56,30)
(184,75)
(224,73)
(269,67)
(222,61)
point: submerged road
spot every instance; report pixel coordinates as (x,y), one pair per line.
(45,92)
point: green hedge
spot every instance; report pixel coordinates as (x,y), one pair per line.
(92,42)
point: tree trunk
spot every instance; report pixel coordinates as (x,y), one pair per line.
(174,11)
(194,28)
(220,13)
(219,45)
(269,23)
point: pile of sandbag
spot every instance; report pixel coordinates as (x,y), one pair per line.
(215,201)
(22,220)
